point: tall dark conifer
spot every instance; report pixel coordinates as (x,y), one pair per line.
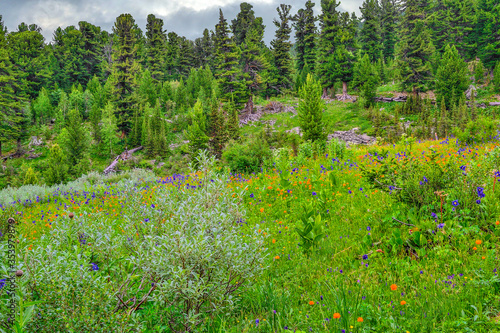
(156,42)
(281,48)
(370,36)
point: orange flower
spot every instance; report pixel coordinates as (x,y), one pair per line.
(360,319)
(311,302)
(262,210)
(483,258)
(336,315)
(394,287)
(260,230)
(497,222)
(403,302)
(478,242)
(274,241)
(277,257)
(474,248)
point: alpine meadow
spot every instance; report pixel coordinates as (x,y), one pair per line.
(311,169)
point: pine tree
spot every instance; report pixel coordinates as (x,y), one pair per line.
(370,36)
(76,144)
(414,49)
(42,108)
(11,98)
(299,24)
(155,48)
(496,77)
(156,141)
(244,21)
(125,67)
(57,170)
(204,50)
(336,47)
(109,129)
(233,123)
(93,45)
(487,32)
(478,72)
(218,128)
(451,78)
(281,48)
(186,57)
(196,132)
(366,78)
(135,138)
(227,73)
(310,110)
(443,128)
(388,22)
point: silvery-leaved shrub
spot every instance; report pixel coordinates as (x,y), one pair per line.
(199,254)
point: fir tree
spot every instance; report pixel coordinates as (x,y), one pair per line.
(414,49)
(487,32)
(281,48)
(196,132)
(451,78)
(57,170)
(218,128)
(125,67)
(310,110)
(299,24)
(244,21)
(233,123)
(156,43)
(370,36)
(42,108)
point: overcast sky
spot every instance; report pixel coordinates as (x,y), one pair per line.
(185,17)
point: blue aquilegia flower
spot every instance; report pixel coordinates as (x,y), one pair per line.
(455,203)
(94,267)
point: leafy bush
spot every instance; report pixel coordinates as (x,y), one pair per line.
(480,129)
(247,157)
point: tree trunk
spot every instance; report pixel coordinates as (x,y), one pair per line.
(344,88)
(325,95)
(19,147)
(249,106)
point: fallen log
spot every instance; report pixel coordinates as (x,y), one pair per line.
(16,154)
(123,156)
(494,103)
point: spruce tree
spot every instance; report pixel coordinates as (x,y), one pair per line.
(311,35)
(196,132)
(451,78)
(299,23)
(414,49)
(57,170)
(155,48)
(487,32)
(42,108)
(233,123)
(218,128)
(243,22)
(310,110)
(125,67)
(281,48)
(370,36)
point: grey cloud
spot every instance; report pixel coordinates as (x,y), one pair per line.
(50,14)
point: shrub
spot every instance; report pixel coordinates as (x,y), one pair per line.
(247,157)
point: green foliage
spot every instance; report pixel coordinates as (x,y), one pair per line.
(310,110)
(196,132)
(281,48)
(476,130)
(57,170)
(451,77)
(30,178)
(414,49)
(366,78)
(246,157)
(496,77)
(312,229)
(156,42)
(109,130)
(370,36)
(388,21)
(75,141)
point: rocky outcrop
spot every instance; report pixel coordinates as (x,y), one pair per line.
(351,137)
(271,108)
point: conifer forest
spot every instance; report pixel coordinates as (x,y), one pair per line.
(337,178)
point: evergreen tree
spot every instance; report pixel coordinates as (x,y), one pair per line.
(370,36)
(488,32)
(310,110)
(388,21)
(218,128)
(172,56)
(42,108)
(156,43)
(233,123)
(135,138)
(414,49)
(11,99)
(244,21)
(366,78)
(281,48)
(186,56)
(109,129)
(156,141)
(30,177)
(125,67)
(299,24)
(336,46)
(196,132)
(93,45)
(478,71)
(227,73)
(451,78)
(76,144)
(57,170)
(496,77)
(305,36)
